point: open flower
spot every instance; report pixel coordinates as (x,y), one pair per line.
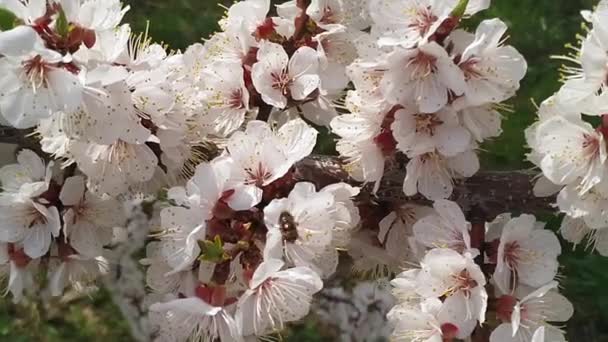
(420,133)
(225,96)
(431,321)
(447,273)
(300,227)
(88,219)
(275,297)
(572,151)
(422,75)
(279,78)
(526,254)
(186,318)
(523,317)
(34,85)
(407,23)
(261,155)
(26,218)
(492,71)
(433,175)
(447,228)
(98,15)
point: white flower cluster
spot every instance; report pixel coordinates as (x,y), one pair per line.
(245,247)
(569,149)
(446,297)
(242,244)
(52,223)
(427,90)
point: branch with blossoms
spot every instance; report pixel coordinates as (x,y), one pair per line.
(243,224)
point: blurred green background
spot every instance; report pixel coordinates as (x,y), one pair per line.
(538,29)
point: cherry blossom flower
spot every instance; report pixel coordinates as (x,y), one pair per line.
(34,84)
(278,78)
(445,272)
(492,71)
(433,175)
(423,75)
(396,233)
(21,269)
(366,137)
(160,277)
(300,227)
(417,134)
(27,218)
(262,156)
(113,168)
(186,318)
(527,254)
(575,230)
(407,23)
(571,150)
(275,297)
(226,96)
(447,228)
(431,321)
(98,15)
(89,219)
(524,316)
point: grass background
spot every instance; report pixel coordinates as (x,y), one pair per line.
(538,29)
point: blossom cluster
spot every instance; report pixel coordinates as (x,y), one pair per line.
(426,89)
(245,246)
(509,288)
(568,141)
(54,223)
(239,242)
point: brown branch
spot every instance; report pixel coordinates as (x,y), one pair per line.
(490,192)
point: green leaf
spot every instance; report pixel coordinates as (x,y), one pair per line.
(213,251)
(458,12)
(8,20)
(62,26)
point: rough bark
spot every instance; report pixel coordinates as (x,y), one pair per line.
(488,192)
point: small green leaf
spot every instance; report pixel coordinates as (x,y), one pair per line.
(62,25)
(8,20)
(459,10)
(213,251)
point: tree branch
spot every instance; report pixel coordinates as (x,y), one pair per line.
(491,192)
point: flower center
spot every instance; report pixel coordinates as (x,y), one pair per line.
(591,146)
(512,254)
(427,123)
(423,21)
(281,82)
(236,99)
(463,282)
(469,67)
(258,175)
(36,71)
(423,65)
(119,152)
